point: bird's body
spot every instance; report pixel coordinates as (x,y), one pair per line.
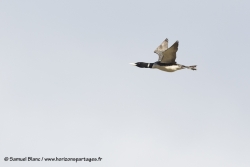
(171,68)
(166,61)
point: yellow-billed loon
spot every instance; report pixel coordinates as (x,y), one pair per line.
(166,61)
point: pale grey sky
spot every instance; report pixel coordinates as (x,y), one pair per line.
(67,90)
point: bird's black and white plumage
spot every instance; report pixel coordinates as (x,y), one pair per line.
(166,61)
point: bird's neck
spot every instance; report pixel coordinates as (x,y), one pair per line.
(146,65)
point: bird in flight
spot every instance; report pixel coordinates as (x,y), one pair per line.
(166,61)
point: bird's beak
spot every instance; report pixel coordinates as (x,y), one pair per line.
(133,64)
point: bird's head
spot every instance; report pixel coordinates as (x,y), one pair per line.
(140,64)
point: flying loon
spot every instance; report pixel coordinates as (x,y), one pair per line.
(166,61)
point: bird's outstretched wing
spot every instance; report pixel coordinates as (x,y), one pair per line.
(163,46)
(169,55)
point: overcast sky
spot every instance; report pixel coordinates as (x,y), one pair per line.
(67,90)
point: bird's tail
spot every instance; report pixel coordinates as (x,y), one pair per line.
(191,67)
